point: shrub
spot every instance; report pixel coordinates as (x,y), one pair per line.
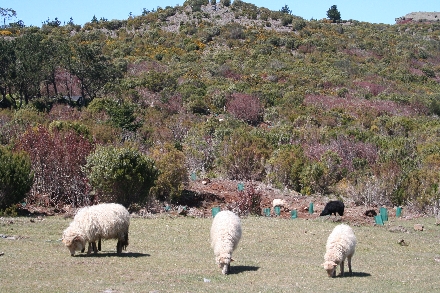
(244,156)
(249,202)
(57,159)
(245,107)
(173,174)
(16,177)
(285,166)
(122,175)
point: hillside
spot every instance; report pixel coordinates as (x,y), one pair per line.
(310,108)
(419,17)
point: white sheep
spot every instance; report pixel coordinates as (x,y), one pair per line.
(341,244)
(91,224)
(277,202)
(225,235)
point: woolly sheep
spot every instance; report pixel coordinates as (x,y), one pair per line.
(225,235)
(333,207)
(341,244)
(277,202)
(91,224)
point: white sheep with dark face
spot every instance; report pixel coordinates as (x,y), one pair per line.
(341,245)
(91,224)
(225,235)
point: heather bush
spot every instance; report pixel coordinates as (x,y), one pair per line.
(16,177)
(57,158)
(120,174)
(245,107)
(248,202)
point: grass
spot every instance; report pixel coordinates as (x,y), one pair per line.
(173,255)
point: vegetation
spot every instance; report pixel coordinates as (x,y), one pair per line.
(228,91)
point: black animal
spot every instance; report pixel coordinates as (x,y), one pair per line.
(333,207)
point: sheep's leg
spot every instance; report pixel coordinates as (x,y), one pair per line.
(119,247)
(342,268)
(82,250)
(349,265)
(99,244)
(95,250)
(89,249)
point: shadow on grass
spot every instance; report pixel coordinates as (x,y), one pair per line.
(114,254)
(233,270)
(357,275)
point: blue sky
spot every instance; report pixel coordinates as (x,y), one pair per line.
(34,12)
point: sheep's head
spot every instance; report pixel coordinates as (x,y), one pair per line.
(330,267)
(223,262)
(74,243)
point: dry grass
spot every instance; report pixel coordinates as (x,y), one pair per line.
(173,255)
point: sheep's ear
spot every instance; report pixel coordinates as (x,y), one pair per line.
(232,260)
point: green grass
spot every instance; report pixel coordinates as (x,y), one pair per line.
(173,255)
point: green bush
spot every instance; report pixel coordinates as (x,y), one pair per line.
(286,165)
(172,173)
(122,175)
(16,177)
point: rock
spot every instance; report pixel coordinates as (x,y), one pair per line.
(418,227)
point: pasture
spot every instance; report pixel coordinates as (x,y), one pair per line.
(169,254)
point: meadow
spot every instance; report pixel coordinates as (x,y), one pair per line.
(173,254)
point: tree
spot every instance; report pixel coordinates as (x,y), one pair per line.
(7,13)
(286,10)
(29,65)
(7,70)
(90,65)
(333,14)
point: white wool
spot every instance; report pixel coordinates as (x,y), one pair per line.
(225,235)
(103,221)
(279,202)
(341,244)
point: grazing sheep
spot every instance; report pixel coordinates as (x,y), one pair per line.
(333,207)
(341,244)
(225,235)
(91,224)
(279,203)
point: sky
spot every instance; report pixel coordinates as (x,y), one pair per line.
(35,12)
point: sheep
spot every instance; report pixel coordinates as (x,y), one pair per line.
(91,224)
(225,235)
(277,202)
(333,207)
(341,244)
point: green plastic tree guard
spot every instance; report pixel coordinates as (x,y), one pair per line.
(293,214)
(311,208)
(266,212)
(214,211)
(384,214)
(277,210)
(240,186)
(398,212)
(378,220)
(193,176)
